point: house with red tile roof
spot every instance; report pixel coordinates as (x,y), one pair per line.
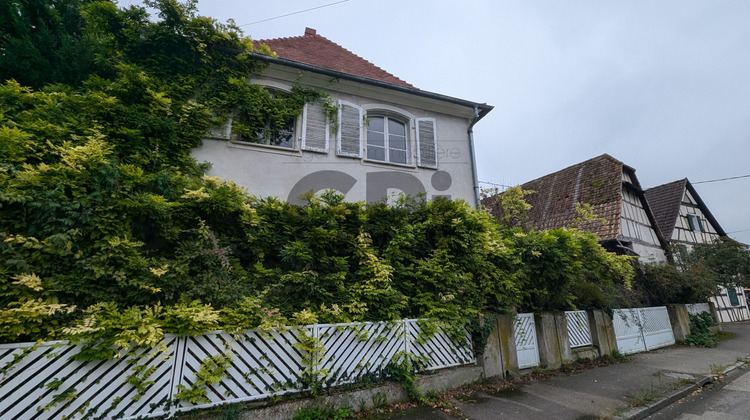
(612,190)
(685,221)
(388,137)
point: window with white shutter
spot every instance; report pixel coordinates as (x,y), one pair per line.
(426,143)
(315,127)
(349,136)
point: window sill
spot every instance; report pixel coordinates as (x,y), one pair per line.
(262,147)
(371,162)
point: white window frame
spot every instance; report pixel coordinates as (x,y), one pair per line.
(386,116)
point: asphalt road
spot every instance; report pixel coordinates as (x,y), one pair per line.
(726,399)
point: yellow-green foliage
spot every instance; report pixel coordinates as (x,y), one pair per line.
(111,235)
(211,371)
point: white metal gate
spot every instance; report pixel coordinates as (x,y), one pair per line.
(641,329)
(627,324)
(657,330)
(524,330)
(579,332)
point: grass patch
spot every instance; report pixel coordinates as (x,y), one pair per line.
(724,335)
(717,369)
(323,412)
(646,396)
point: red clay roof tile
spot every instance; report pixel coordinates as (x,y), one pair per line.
(319,51)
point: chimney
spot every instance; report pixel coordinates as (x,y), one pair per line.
(310,31)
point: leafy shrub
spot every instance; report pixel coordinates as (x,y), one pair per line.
(125,238)
(700,335)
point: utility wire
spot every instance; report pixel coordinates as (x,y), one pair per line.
(294,13)
(721,179)
(738,231)
(495,185)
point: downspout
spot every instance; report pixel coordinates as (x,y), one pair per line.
(473,155)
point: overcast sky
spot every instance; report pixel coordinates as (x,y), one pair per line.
(663,86)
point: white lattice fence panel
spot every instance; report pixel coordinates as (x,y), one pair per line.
(627,325)
(30,388)
(698,308)
(262,364)
(438,350)
(527,350)
(579,332)
(360,349)
(657,330)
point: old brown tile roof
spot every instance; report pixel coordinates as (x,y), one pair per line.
(665,201)
(319,51)
(597,181)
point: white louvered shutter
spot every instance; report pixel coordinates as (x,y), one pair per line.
(349,137)
(314,127)
(426,143)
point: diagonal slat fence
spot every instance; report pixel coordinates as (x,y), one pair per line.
(579,332)
(44,382)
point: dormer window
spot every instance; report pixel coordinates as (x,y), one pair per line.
(387,139)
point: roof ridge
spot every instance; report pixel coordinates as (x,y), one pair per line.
(667,183)
(602,156)
(311,34)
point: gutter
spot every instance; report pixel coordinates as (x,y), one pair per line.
(474,177)
(480,110)
(484,109)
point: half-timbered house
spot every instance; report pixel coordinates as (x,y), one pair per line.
(612,190)
(685,220)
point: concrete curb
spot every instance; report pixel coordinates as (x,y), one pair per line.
(638,413)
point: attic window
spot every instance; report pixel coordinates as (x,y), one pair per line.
(696,225)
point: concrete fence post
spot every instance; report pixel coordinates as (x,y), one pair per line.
(491,359)
(505,326)
(552,339)
(715,313)
(680,320)
(602,332)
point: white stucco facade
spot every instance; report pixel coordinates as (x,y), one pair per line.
(288,172)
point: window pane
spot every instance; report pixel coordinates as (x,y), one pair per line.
(375,153)
(690,222)
(376,124)
(397,156)
(397,142)
(376,139)
(284,136)
(396,127)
